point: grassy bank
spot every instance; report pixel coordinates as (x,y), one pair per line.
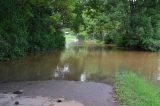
(133,90)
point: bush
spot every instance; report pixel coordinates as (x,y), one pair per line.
(115,38)
(28,26)
(152,45)
(82,36)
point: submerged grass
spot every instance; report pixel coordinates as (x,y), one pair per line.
(133,90)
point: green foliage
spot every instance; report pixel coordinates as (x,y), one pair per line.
(152,45)
(143,25)
(82,36)
(33,25)
(132,90)
(128,23)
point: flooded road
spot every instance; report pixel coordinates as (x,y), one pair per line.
(82,62)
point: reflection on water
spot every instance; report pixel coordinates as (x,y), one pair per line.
(83,78)
(80,63)
(158,75)
(158,78)
(61,72)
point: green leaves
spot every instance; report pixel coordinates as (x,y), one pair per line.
(127,23)
(32,25)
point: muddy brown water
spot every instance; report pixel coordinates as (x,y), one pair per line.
(82,62)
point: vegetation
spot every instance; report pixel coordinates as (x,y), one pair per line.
(35,25)
(128,23)
(32,25)
(70,38)
(132,90)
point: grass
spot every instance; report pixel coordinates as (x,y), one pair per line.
(133,90)
(70,38)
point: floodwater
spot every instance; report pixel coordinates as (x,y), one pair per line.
(82,62)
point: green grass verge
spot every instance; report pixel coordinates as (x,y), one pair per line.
(133,90)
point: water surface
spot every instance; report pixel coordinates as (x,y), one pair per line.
(82,62)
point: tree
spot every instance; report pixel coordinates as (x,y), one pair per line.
(128,23)
(33,25)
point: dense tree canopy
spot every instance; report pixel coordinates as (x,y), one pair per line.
(35,25)
(128,23)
